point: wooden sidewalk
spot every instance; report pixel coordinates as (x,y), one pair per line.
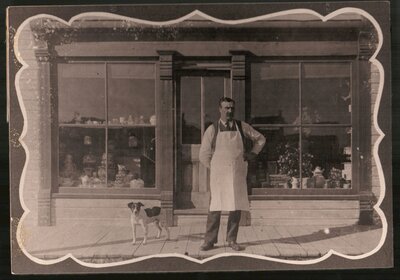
(96,243)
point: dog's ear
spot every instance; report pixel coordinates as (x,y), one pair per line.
(141,204)
(130,205)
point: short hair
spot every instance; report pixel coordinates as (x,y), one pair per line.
(225,99)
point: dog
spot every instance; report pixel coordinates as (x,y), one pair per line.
(144,218)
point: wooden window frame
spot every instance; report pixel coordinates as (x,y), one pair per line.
(275,193)
(79,192)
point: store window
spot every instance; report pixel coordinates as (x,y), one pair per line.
(304,109)
(106,119)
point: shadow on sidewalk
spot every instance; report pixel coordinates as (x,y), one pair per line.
(312,237)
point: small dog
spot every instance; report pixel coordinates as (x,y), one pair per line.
(143,218)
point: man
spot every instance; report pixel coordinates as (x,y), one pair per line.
(222,150)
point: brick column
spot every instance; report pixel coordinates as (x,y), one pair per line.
(366,47)
(165,134)
(44,142)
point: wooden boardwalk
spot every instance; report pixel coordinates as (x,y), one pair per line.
(92,242)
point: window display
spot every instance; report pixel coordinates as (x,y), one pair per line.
(107,139)
(311,98)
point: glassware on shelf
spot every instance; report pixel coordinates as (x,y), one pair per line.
(131,120)
(153,120)
(69,172)
(87,140)
(136,183)
(101,170)
(95,182)
(85,180)
(77,118)
(120,178)
(318,180)
(89,163)
(133,141)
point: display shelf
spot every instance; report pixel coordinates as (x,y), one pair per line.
(81,125)
(131,126)
(122,190)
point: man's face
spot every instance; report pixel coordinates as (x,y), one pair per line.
(227,110)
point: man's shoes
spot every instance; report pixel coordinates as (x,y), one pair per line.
(206,246)
(235,246)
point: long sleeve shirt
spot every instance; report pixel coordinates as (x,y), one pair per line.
(206,152)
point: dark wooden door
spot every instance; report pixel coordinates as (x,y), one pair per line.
(198,93)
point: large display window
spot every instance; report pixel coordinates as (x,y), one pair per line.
(106,125)
(305,110)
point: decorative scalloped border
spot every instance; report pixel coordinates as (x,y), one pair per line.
(373,60)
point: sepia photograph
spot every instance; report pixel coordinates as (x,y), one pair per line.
(218,137)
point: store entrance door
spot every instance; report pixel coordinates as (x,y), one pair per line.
(198,94)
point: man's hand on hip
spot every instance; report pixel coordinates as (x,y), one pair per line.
(249,156)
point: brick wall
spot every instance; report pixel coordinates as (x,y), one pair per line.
(29,90)
(374,133)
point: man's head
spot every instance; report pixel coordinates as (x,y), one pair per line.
(226,108)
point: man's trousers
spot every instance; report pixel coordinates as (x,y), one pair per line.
(213,222)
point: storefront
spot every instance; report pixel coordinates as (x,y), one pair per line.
(124,105)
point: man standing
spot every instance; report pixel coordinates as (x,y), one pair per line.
(223,151)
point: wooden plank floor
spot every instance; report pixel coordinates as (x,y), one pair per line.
(91,241)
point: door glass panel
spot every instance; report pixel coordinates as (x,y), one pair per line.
(191,110)
(213,91)
(326,93)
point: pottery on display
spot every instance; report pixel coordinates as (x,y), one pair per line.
(153,120)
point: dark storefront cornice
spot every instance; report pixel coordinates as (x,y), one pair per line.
(112,30)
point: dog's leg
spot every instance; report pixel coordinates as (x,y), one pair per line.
(144,226)
(166,229)
(133,230)
(157,223)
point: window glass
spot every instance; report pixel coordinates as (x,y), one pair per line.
(80,151)
(131,93)
(274,93)
(94,152)
(326,93)
(131,157)
(81,93)
(321,157)
(278,161)
(131,120)
(326,154)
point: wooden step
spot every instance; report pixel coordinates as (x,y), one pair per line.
(284,212)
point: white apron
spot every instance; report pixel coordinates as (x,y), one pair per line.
(228,173)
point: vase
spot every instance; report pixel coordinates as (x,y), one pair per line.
(153,120)
(295,183)
(305,182)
